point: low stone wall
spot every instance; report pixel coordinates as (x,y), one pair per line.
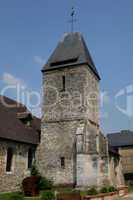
(74,196)
(109,196)
(122,191)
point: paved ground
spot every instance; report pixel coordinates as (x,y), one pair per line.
(128,197)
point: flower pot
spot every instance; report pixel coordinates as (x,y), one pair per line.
(30,186)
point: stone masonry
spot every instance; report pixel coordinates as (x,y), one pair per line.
(72,151)
(11,181)
(63,114)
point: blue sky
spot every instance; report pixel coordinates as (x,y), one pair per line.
(30,30)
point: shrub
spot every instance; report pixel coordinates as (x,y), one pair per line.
(92,191)
(104,190)
(45,184)
(34,170)
(108,189)
(47,195)
(112,189)
(16,196)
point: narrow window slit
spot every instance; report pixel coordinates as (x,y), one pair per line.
(9,160)
(62,160)
(30,158)
(63,83)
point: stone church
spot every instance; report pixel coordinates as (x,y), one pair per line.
(71,149)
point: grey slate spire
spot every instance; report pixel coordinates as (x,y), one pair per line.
(71,51)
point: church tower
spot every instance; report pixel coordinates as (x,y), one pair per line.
(68,152)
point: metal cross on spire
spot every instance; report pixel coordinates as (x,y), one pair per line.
(73,19)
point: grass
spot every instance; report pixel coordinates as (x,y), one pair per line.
(31,198)
(130,188)
(83,193)
(5,196)
(65,190)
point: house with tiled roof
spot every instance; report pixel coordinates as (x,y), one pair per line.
(19,137)
(122,142)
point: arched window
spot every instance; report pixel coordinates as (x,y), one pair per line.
(9,159)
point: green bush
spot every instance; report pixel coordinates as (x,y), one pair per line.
(16,196)
(108,189)
(92,191)
(47,195)
(104,190)
(45,184)
(112,189)
(34,170)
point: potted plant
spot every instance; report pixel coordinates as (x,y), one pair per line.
(31,184)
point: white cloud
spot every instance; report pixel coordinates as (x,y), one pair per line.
(9,79)
(39,60)
(22,93)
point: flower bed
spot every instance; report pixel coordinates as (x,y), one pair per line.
(122,191)
(102,196)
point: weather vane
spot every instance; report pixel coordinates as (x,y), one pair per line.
(73,19)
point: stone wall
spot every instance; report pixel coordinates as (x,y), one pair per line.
(127,163)
(57,140)
(127,159)
(103,161)
(87,170)
(63,112)
(11,181)
(115,170)
(92,97)
(79,100)
(102,145)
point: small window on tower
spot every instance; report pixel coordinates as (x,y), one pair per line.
(63,83)
(62,160)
